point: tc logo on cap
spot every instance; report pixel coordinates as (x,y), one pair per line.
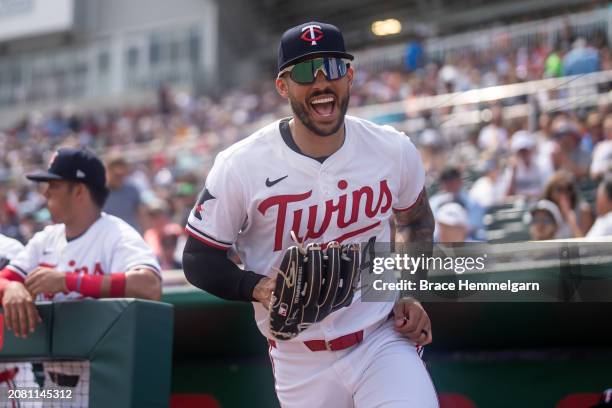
(53,157)
(312,33)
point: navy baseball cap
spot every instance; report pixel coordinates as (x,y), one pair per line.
(80,165)
(310,39)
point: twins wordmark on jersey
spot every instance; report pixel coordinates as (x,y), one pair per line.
(108,246)
(312,222)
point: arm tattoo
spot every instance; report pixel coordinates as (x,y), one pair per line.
(417,223)
(414,230)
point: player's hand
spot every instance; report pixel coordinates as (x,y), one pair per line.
(46,280)
(20,313)
(263,291)
(412,321)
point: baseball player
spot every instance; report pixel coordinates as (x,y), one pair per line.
(85,254)
(320,176)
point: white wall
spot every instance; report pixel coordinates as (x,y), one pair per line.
(27,18)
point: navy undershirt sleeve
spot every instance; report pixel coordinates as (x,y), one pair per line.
(210,269)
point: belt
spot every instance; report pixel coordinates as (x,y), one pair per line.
(340,343)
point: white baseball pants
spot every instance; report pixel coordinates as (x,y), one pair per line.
(383,371)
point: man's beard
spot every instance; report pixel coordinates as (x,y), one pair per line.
(302,113)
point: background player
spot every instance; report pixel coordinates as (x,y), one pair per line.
(86,253)
(325,177)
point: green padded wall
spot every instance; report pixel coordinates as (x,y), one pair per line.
(128,343)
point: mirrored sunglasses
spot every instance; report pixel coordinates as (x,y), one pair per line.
(305,72)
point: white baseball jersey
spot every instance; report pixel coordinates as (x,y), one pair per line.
(108,246)
(259,190)
(9,247)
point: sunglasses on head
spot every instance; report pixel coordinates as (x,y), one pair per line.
(305,72)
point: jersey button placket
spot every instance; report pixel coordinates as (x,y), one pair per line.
(326,185)
(324,182)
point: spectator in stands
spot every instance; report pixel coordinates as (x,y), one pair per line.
(567,153)
(124,199)
(160,227)
(488,190)
(592,131)
(452,223)
(602,153)
(494,137)
(183,197)
(544,221)
(467,150)
(576,213)
(553,65)
(546,144)
(523,177)
(165,100)
(451,190)
(582,59)
(432,150)
(167,259)
(414,55)
(603,224)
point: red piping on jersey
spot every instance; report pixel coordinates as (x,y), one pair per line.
(205,241)
(46,265)
(418,199)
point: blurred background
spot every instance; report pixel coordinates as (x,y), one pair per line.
(507,100)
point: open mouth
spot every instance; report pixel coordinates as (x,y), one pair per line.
(323,105)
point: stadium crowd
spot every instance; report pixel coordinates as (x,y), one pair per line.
(554,168)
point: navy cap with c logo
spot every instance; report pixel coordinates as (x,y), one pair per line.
(308,39)
(72,164)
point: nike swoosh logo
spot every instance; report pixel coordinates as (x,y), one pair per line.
(273,182)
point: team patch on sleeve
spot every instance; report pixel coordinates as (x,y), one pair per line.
(206,213)
(198,210)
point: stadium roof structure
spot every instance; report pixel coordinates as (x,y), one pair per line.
(418,17)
